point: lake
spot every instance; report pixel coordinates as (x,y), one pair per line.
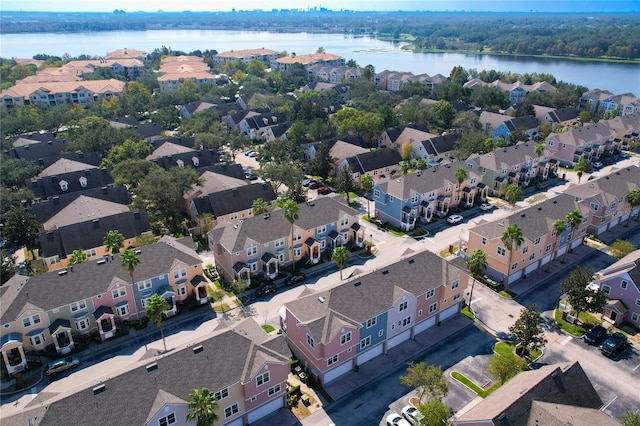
(615,77)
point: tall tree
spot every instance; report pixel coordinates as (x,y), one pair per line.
(259,207)
(130,260)
(128,150)
(512,238)
(427,380)
(581,166)
(513,193)
(477,263)
(633,199)
(574,219)
(344,182)
(321,163)
(77,256)
(7,266)
(434,413)
(406,151)
(113,241)
(20,228)
(341,257)
(290,211)
(155,308)
(14,172)
(204,405)
(621,248)
(461,175)
(526,331)
(559,226)
(504,365)
(366,182)
(580,295)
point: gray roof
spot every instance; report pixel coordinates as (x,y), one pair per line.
(505,157)
(368,161)
(49,186)
(235,355)
(51,290)
(565,385)
(364,297)
(232,200)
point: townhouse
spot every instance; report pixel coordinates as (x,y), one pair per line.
(381,164)
(600,101)
(517,164)
(59,93)
(284,63)
(231,204)
(395,81)
(561,117)
(418,197)
(260,245)
(436,149)
(44,187)
(266,56)
(256,125)
(621,283)
(334,75)
(245,368)
(48,312)
(130,68)
(413,133)
(528,124)
(516,91)
(334,331)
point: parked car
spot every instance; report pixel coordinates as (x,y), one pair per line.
(542,185)
(613,344)
(412,415)
(486,206)
(313,184)
(62,364)
(595,334)
(598,165)
(295,278)
(324,190)
(247,153)
(268,288)
(394,419)
(251,176)
(253,154)
(306,182)
(455,218)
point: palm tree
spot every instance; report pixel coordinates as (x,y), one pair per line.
(367,185)
(581,167)
(341,257)
(130,260)
(633,198)
(477,263)
(539,149)
(77,256)
(259,206)
(461,175)
(513,193)
(573,219)
(512,238)
(113,241)
(558,227)
(290,210)
(155,308)
(204,405)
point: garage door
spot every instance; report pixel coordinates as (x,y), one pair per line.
(419,328)
(449,312)
(395,341)
(614,222)
(561,251)
(602,229)
(545,260)
(370,354)
(529,269)
(576,243)
(515,276)
(236,422)
(337,372)
(267,408)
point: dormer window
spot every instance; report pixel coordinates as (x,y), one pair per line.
(64,186)
(83,181)
(180,163)
(196,161)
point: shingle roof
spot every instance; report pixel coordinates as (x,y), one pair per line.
(232,200)
(84,208)
(97,86)
(64,165)
(368,161)
(204,158)
(505,157)
(50,186)
(168,148)
(88,279)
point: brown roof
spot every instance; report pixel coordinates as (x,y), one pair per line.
(96,86)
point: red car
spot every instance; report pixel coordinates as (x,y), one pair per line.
(324,190)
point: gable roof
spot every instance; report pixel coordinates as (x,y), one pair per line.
(404,132)
(84,208)
(49,186)
(226,201)
(203,158)
(88,279)
(561,115)
(168,148)
(505,157)
(64,165)
(215,182)
(368,161)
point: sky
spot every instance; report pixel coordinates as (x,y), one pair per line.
(228,5)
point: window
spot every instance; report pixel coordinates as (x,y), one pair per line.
(455,284)
(403,306)
(376,193)
(415,198)
(637,300)
(78,306)
(433,307)
(251,251)
(533,256)
(595,206)
(233,216)
(262,379)
(380,333)
(456,296)
(144,285)
(501,251)
(36,340)
(122,310)
(365,342)
(345,338)
(623,284)
(372,321)
(323,244)
(254,398)
(344,221)
(537,241)
(182,290)
(222,394)
(31,320)
(484,240)
(548,247)
(321,229)
(514,266)
(143,302)
(525,250)
(90,252)
(332,360)
(634,317)
(310,341)
(297,236)
(406,321)
(430,293)
(281,257)
(279,243)
(167,420)
(118,292)
(274,389)
(82,324)
(297,252)
(179,274)
(391,198)
(607,290)
(232,410)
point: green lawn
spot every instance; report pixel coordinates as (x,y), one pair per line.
(477,389)
(586,322)
(508,347)
(268,328)
(507,294)
(221,308)
(467,313)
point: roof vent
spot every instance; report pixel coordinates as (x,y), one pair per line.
(198,349)
(99,389)
(385,272)
(523,215)
(411,261)
(152,367)
(555,201)
(357,283)
(321,299)
(539,209)
(138,251)
(267,215)
(63,272)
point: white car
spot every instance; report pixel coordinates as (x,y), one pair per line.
(455,218)
(486,206)
(395,419)
(412,415)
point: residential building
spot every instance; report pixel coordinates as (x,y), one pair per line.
(126,54)
(198,159)
(436,149)
(550,395)
(245,368)
(381,164)
(394,81)
(528,124)
(334,75)
(621,283)
(266,56)
(328,59)
(260,245)
(175,70)
(45,312)
(413,133)
(255,125)
(600,101)
(78,180)
(231,204)
(333,331)
(516,92)
(130,68)
(419,197)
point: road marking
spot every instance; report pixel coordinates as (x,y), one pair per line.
(610,402)
(567,340)
(637,366)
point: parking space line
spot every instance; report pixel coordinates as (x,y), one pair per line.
(567,340)
(610,402)
(637,366)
